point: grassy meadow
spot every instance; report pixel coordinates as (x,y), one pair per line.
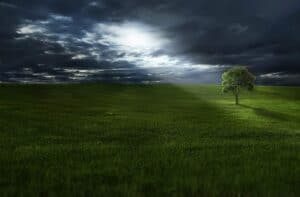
(148,140)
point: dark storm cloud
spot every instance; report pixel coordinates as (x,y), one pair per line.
(60,41)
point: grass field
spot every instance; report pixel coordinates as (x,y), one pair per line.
(148,140)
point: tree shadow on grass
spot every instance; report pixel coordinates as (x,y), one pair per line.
(267,113)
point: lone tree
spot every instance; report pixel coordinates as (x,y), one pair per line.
(236,79)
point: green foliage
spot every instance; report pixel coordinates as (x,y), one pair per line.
(236,79)
(156,140)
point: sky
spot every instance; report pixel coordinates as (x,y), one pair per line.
(149,41)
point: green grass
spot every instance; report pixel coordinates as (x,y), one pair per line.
(156,140)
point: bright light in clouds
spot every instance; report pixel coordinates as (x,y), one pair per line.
(137,39)
(131,36)
(139,43)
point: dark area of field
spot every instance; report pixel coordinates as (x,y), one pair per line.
(156,140)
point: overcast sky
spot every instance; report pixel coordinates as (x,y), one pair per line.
(50,41)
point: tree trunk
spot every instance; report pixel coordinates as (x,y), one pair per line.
(237,91)
(236,98)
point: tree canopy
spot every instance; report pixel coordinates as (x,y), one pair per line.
(236,79)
